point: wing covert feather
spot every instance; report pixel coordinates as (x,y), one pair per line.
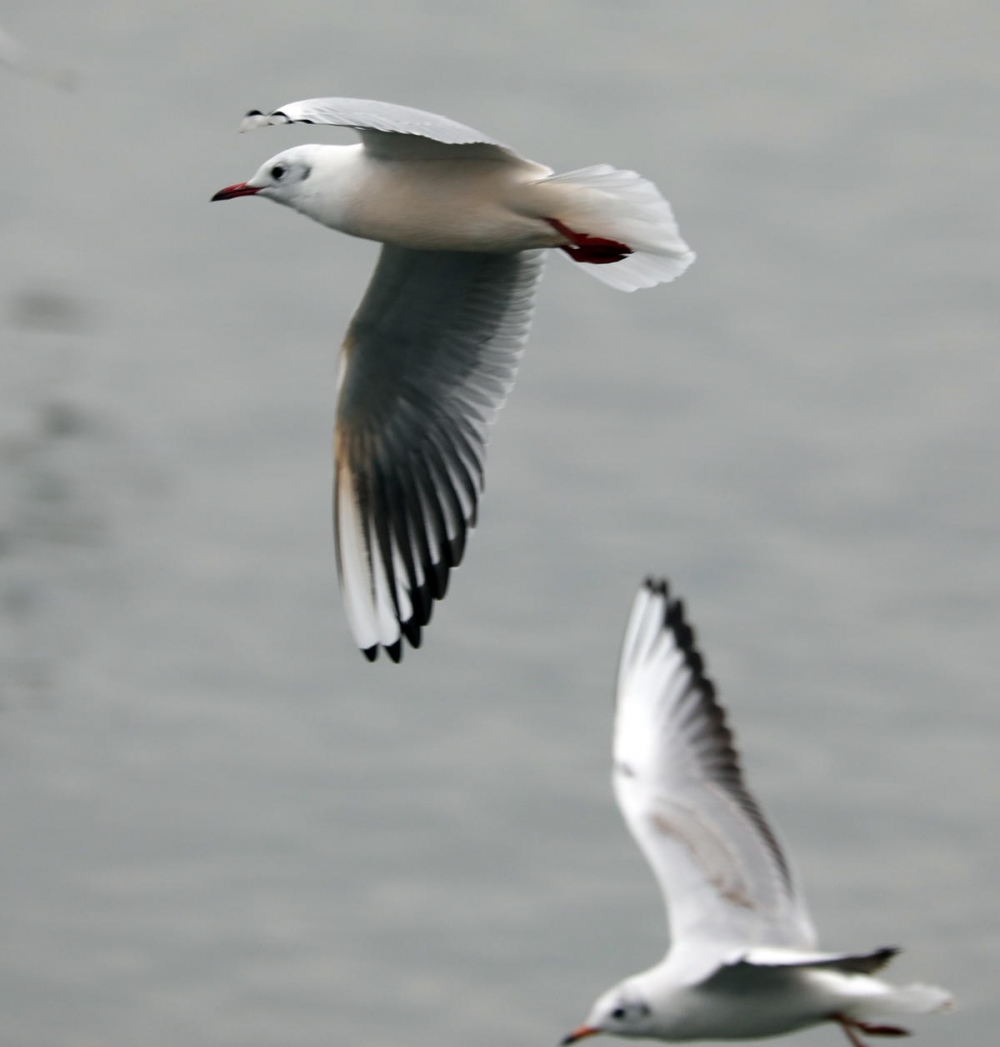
(384,126)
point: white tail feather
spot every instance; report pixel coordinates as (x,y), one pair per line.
(626,207)
(905,999)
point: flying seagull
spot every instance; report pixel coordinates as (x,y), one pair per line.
(743,961)
(15,56)
(433,349)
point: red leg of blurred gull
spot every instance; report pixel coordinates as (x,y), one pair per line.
(849,1026)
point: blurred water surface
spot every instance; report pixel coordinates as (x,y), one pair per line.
(220,825)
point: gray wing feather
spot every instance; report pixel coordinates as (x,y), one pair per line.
(374,120)
(429,359)
(763,969)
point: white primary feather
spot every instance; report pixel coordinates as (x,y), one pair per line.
(428,361)
(724,875)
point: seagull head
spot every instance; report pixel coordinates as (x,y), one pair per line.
(622,1011)
(282,178)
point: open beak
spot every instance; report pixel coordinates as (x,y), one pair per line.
(232,191)
(578,1034)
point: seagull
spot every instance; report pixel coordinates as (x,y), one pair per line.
(433,348)
(15,56)
(743,962)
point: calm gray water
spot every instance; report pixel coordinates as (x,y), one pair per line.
(220,826)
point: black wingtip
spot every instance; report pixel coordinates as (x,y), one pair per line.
(371,653)
(439,580)
(423,606)
(657,586)
(880,957)
(456,549)
(675,622)
(411,630)
(395,651)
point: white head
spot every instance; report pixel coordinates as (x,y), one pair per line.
(287,178)
(621,1011)
(283,178)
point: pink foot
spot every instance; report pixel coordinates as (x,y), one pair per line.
(593,249)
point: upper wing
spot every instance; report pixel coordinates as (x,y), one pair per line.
(678,782)
(427,362)
(385,128)
(759,972)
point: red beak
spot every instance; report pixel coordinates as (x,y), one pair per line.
(232,191)
(578,1034)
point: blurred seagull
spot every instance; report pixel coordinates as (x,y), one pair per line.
(14,55)
(743,962)
(433,349)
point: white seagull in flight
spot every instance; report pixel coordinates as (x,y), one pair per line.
(433,349)
(743,962)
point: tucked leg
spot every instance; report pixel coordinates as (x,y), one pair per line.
(882,1030)
(851,1028)
(593,249)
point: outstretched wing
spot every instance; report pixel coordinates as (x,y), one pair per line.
(427,362)
(677,778)
(385,128)
(767,958)
(765,971)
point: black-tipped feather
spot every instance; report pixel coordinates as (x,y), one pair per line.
(366,115)
(718,750)
(430,355)
(679,784)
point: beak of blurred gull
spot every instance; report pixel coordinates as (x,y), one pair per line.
(578,1034)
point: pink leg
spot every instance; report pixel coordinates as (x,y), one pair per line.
(593,249)
(883,1030)
(851,1028)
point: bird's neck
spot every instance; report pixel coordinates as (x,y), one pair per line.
(333,185)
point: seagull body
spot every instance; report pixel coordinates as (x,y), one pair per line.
(452,204)
(433,349)
(743,962)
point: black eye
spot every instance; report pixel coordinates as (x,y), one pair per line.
(276,172)
(619,1014)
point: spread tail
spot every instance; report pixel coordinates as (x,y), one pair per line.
(626,209)
(905,999)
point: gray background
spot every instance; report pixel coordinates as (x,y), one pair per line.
(220,826)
